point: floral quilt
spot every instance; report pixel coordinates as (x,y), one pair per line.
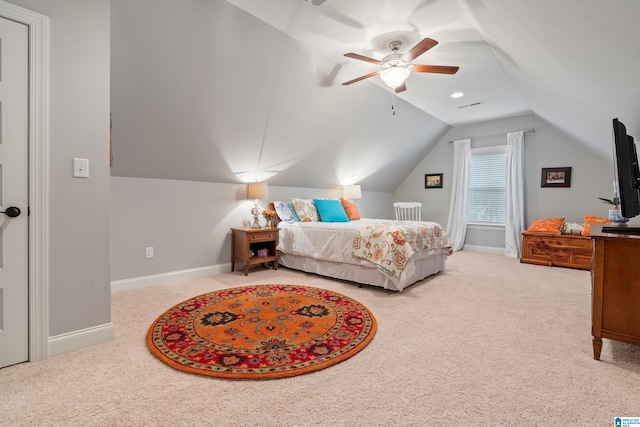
(390,244)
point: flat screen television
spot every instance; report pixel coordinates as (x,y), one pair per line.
(627,173)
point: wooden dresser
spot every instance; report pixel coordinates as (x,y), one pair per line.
(563,250)
(616,288)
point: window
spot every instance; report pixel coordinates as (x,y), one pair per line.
(487,180)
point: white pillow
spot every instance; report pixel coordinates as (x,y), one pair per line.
(572,228)
(286,212)
(306,209)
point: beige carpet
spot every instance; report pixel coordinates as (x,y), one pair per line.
(490,342)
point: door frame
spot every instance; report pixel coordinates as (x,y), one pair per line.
(38,164)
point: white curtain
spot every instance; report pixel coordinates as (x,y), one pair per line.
(457,222)
(514,198)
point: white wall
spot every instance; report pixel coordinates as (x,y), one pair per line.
(592,176)
(188,223)
(79,127)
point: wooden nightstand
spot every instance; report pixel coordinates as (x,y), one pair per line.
(247,243)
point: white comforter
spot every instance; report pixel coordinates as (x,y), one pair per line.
(321,240)
(327,241)
(327,249)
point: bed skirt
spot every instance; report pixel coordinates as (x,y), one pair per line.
(425,265)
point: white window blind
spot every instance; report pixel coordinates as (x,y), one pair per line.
(487,180)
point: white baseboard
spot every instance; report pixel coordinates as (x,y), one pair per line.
(486,249)
(72,341)
(172,276)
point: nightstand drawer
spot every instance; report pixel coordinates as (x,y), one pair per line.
(262,237)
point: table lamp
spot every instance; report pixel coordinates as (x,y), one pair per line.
(257,190)
(352,192)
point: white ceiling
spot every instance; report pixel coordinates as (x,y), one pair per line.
(575,63)
(217,91)
(365,27)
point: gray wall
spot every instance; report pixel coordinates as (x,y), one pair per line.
(79,127)
(592,176)
(188,222)
(238,96)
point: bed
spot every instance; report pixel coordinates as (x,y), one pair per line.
(385,253)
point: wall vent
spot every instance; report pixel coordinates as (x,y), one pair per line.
(470,105)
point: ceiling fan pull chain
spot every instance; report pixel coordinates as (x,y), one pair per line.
(393,100)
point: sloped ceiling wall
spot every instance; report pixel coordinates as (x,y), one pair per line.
(576,62)
(204,91)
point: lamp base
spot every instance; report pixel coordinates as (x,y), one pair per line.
(256,212)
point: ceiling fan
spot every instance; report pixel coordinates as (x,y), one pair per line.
(396,67)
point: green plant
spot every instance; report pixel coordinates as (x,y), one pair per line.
(615,201)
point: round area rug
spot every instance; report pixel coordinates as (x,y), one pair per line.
(261,331)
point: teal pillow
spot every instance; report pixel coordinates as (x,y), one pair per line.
(330,210)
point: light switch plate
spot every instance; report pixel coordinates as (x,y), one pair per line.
(80,168)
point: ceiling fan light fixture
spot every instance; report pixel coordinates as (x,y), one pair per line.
(394,76)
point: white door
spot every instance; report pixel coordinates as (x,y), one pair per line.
(14,298)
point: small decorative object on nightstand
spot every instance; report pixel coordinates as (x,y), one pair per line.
(269,216)
(252,246)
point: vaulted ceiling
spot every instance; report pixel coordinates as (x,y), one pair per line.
(238,90)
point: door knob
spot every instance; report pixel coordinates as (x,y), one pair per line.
(12,211)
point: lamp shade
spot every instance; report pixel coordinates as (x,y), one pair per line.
(257,191)
(395,76)
(352,192)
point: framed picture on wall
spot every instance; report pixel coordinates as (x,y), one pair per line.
(556,177)
(433,180)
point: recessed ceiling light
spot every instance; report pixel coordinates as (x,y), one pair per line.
(457,95)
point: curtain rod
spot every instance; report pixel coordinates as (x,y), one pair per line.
(495,134)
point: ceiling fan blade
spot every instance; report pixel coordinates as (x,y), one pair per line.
(401,88)
(362,58)
(419,49)
(361,78)
(440,69)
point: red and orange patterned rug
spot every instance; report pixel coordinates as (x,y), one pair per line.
(261,332)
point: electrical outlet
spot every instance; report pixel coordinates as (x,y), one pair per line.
(149,252)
